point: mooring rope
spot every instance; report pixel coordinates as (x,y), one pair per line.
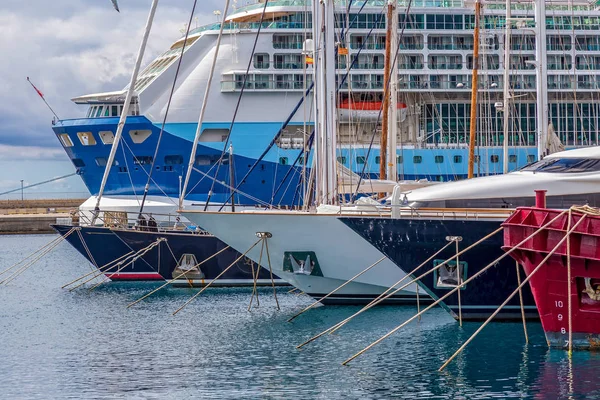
(458,287)
(177,277)
(41,252)
(515,292)
(100,271)
(218,276)
(131,259)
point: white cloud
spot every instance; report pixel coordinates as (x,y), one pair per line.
(70,48)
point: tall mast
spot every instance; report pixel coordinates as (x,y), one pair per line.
(541,77)
(474,84)
(125,112)
(392,167)
(506,91)
(203,109)
(386,94)
(315,175)
(327,101)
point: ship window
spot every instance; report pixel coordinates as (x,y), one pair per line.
(115,111)
(439,159)
(565,165)
(341,160)
(261,61)
(301,160)
(494,158)
(476,159)
(86,138)
(512,158)
(173,160)
(142,160)
(361,160)
(106,137)
(98,111)
(208,160)
(377,160)
(457,159)
(417,159)
(530,158)
(214,135)
(283,160)
(101,161)
(122,169)
(107,111)
(65,140)
(139,136)
(399,159)
(78,162)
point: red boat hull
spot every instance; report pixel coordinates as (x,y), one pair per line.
(549,284)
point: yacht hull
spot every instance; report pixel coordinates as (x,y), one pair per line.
(335,254)
(409,242)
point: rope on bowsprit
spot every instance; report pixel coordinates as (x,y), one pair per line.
(96,273)
(522,303)
(23,265)
(255,276)
(385,295)
(127,261)
(177,277)
(458,287)
(217,277)
(271,274)
(515,292)
(336,289)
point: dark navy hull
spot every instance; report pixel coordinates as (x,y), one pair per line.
(409,242)
(105,247)
(166,256)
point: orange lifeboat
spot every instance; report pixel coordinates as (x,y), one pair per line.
(364,110)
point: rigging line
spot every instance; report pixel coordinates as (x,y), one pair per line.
(292,167)
(164,122)
(146,172)
(39,183)
(237,106)
(236,190)
(273,141)
(386,91)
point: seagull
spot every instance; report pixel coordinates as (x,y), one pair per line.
(115,5)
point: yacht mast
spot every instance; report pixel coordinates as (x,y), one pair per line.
(392,168)
(125,112)
(386,94)
(541,77)
(506,91)
(327,101)
(474,84)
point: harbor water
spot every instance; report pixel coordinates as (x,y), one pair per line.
(86,344)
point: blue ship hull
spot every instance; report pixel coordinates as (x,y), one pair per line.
(128,177)
(409,242)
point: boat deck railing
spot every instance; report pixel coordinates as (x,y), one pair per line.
(146,222)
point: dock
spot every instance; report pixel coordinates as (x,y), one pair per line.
(34,216)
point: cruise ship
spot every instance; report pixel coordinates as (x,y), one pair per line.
(560,56)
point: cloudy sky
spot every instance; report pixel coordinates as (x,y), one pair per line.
(69,48)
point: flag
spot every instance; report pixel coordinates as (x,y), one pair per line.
(36,89)
(342,51)
(115,5)
(309,60)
